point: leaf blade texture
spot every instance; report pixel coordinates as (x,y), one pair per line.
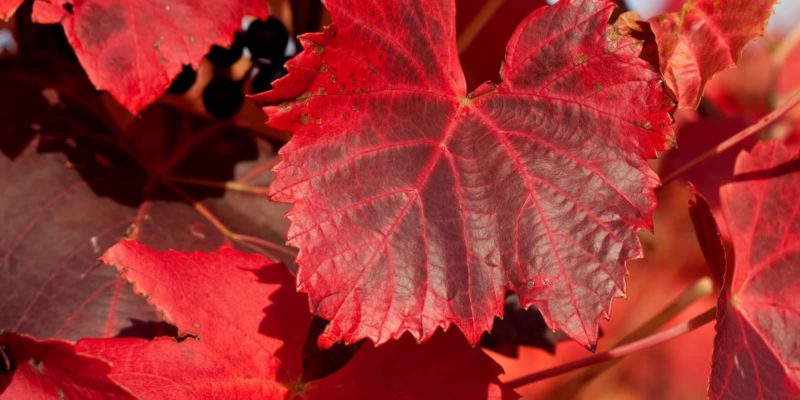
(416,205)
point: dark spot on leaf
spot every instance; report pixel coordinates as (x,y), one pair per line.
(37,365)
(99,24)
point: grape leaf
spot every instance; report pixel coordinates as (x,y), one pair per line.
(240,348)
(77,189)
(416,205)
(706,37)
(8,7)
(135,49)
(51,369)
(756,348)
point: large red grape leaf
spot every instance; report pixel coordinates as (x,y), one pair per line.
(51,369)
(756,351)
(134,49)
(242,348)
(417,205)
(706,37)
(75,190)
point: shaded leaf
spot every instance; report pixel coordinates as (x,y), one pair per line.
(445,367)
(135,49)
(756,348)
(706,37)
(51,369)
(416,205)
(77,189)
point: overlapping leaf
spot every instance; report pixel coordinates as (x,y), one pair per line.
(247,327)
(706,37)
(416,204)
(756,352)
(70,186)
(134,49)
(221,299)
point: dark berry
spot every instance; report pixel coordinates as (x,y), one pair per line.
(184,81)
(223,97)
(266,39)
(266,73)
(222,57)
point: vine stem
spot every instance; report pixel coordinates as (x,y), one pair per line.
(617,352)
(475,26)
(701,288)
(767,120)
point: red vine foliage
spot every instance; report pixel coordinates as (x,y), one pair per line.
(286,199)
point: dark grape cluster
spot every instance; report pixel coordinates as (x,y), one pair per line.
(268,44)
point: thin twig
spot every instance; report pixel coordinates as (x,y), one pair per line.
(701,288)
(790,103)
(617,352)
(475,26)
(236,237)
(227,185)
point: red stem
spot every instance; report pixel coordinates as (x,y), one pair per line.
(617,352)
(792,101)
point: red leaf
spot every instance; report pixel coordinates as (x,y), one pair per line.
(135,49)
(417,205)
(8,7)
(706,37)
(51,369)
(452,370)
(245,350)
(242,347)
(755,352)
